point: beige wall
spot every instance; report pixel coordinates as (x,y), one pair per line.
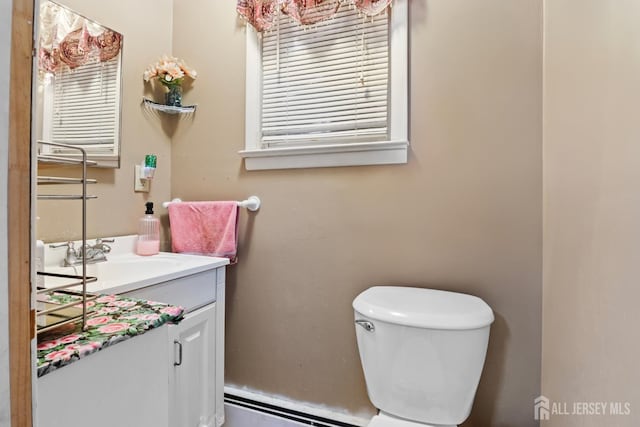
(464,214)
(592,206)
(147,29)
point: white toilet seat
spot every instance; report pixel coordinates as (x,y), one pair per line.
(386,420)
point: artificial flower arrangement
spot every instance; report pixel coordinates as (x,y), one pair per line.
(169,71)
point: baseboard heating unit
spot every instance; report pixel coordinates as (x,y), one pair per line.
(281,415)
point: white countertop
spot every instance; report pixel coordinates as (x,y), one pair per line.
(124,271)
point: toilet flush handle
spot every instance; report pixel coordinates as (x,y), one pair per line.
(368,326)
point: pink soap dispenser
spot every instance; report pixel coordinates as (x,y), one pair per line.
(148,233)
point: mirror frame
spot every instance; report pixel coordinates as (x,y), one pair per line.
(19,214)
(103,160)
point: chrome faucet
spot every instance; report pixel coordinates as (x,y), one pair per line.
(94,253)
(70,257)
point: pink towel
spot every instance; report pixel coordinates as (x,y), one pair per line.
(205,228)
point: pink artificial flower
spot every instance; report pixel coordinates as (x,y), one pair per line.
(150,73)
(114,328)
(174,71)
(187,70)
(101,320)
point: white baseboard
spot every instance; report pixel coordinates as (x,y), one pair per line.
(245,416)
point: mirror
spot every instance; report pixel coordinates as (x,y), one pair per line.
(79,85)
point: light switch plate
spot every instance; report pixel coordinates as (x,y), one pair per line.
(140,185)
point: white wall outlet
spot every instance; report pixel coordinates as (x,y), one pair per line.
(140,185)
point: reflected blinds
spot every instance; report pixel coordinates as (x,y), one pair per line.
(327,84)
(86,105)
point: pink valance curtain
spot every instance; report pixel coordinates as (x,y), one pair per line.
(75,49)
(262,13)
(68,38)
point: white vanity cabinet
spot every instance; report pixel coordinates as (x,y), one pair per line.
(196,356)
(172,376)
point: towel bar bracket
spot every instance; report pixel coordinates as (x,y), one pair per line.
(252,203)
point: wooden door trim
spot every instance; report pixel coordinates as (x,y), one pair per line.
(21,317)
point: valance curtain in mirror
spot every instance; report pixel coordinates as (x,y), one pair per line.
(262,14)
(68,38)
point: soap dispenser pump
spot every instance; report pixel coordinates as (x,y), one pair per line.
(148,233)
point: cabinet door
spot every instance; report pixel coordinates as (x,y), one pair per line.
(192,375)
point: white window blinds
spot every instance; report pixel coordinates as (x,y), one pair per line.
(327,84)
(86,106)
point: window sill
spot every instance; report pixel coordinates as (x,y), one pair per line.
(357,154)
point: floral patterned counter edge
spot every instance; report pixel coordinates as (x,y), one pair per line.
(111,319)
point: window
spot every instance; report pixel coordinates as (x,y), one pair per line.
(331,95)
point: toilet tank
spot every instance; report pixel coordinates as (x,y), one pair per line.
(422,351)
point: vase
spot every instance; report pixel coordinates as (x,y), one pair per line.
(174,96)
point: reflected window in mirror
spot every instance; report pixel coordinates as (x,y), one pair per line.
(79,64)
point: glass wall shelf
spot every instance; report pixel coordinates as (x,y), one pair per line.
(169,109)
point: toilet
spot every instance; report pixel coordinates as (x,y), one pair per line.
(422,352)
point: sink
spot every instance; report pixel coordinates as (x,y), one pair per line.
(124,271)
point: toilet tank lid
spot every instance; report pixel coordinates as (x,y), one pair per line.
(423,308)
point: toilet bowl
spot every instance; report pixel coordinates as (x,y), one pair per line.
(422,353)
